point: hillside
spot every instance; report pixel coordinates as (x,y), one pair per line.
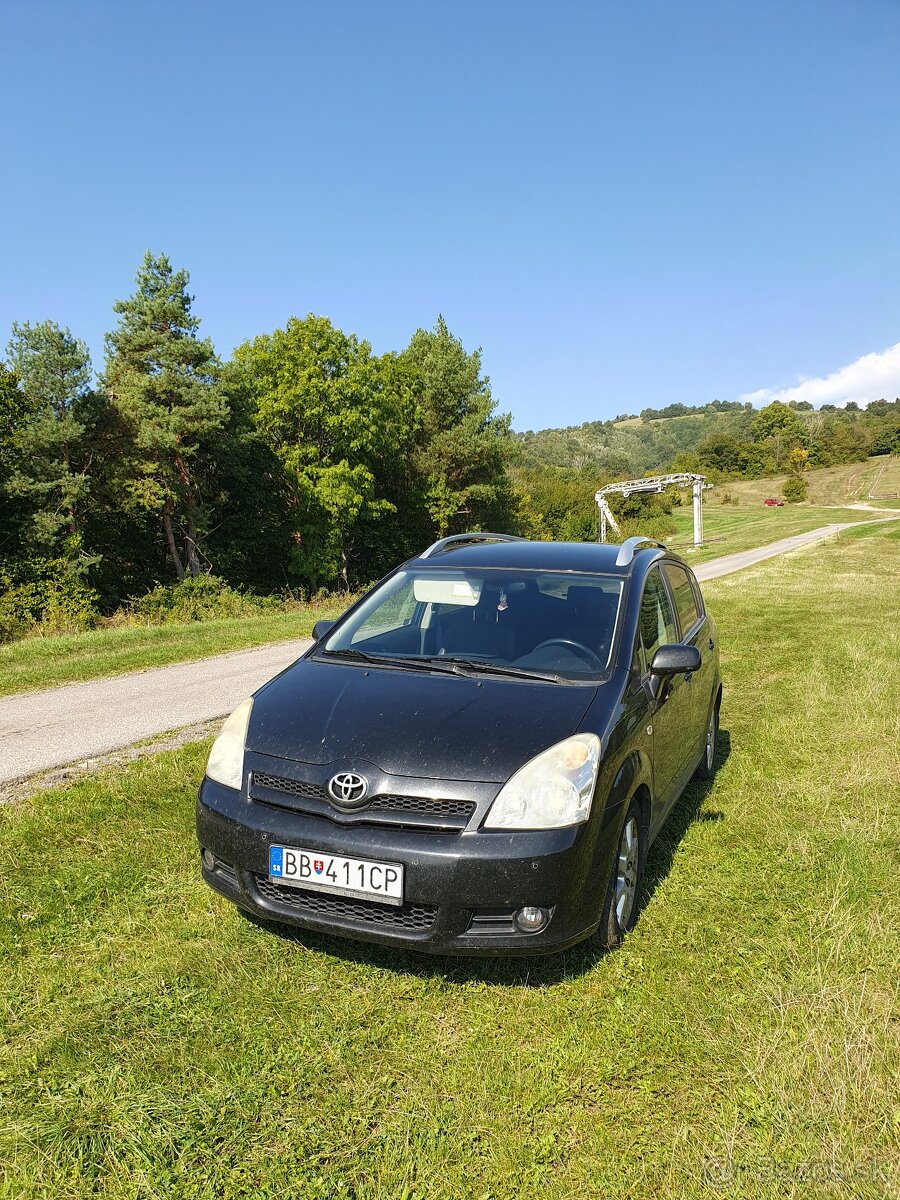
(746,442)
(632,446)
(824,457)
(877,478)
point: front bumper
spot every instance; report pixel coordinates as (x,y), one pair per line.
(461,889)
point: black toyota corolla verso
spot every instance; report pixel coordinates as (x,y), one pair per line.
(476,757)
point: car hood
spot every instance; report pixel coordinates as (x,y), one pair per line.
(412,723)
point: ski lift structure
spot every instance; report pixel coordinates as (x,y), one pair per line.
(657,483)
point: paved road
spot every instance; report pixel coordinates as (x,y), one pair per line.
(43,730)
(717,567)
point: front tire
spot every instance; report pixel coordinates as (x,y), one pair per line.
(620,907)
(707,767)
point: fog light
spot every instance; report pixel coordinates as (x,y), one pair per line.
(532,920)
(209,859)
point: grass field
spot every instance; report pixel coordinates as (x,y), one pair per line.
(743,1043)
(39,662)
(727,529)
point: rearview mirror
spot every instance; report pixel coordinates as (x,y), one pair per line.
(321,628)
(675,660)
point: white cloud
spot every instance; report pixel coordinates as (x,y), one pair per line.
(872,377)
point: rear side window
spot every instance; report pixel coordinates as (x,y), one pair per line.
(657,620)
(683,593)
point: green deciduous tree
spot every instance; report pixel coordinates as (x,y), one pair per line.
(723,452)
(778,418)
(163,380)
(343,424)
(777,429)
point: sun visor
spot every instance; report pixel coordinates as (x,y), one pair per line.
(431,590)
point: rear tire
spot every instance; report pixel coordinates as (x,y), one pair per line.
(620,907)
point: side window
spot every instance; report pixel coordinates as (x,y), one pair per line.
(396,612)
(685,600)
(657,621)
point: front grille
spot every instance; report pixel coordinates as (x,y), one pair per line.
(366,912)
(421,804)
(419,812)
(290,787)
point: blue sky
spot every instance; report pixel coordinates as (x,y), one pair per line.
(624,202)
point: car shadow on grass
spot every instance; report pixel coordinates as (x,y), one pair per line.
(538,971)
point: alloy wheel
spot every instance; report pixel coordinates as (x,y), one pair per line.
(711,733)
(627,872)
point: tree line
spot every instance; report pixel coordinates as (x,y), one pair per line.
(307,462)
(304,462)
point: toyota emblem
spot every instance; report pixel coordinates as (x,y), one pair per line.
(347,788)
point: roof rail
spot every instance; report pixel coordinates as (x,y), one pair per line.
(459,538)
(630,545)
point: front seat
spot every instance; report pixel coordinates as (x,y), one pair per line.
(481,631)
(593,615)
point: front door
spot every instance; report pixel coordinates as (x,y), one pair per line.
(672,718)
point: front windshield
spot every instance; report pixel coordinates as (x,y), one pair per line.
(553,622)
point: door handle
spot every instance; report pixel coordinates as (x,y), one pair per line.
(712,644)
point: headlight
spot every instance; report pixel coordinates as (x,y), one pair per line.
(552,790)
(226,759)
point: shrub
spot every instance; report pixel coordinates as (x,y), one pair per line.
(15,618)
(658,526)
(41,596)
(203,598)
(795,490)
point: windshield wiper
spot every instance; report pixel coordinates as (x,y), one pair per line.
(450,664)
(384,660)
(356,655)
(487,668)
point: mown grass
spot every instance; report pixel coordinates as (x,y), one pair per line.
(844,484)
(728,529)
(40,662)
(743,1043)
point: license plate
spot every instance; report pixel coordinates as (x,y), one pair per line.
(333,873)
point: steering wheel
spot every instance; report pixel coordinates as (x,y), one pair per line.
(579,648)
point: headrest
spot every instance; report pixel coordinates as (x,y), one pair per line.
(590,602)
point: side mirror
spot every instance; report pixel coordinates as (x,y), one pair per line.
(675,660)
(322,627)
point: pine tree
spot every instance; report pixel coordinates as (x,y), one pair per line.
(163,380)
(47,434)
(466,444)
